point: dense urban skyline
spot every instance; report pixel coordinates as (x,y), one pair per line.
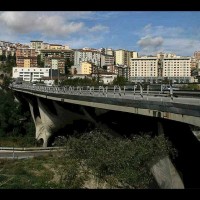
(147,32)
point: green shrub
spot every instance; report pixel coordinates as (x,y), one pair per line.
(126,159)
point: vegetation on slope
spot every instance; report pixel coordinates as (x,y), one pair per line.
(90,160)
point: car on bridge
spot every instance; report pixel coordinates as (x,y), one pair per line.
(167,88)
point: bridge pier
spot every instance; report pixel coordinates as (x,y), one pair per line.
(40,130)
(49,117)
(196,131)
(164,171)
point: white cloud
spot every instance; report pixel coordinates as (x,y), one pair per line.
(156,31)
(149,41)
(48,25)
(181,46)
(99,28)
(154,39)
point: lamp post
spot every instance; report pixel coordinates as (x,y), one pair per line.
(58,75)
(51,72)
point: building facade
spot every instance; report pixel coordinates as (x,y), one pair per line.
(36,44)
(122,57)
(26,57)
(66,54)
(159,68)
(107,60)
(85,68)
(30,74)
(89,55)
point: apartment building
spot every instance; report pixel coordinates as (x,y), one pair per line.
(62,53)
(177,68)
(89,55)
(6,51)
(55,62)
(36,44)
(30,74)
(122,57)
(144,68)
(107,51)
(45,45)
(26,57)
(171,67)
(107,60)
(56,46)
(85,68)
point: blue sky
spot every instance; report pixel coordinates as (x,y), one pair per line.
(146,32)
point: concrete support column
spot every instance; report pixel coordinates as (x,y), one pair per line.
(166,175)
(164,171)
(196,131)
(41,131)
(160,128)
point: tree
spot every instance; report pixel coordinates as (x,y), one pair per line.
(10,62)
(6,82)
(39,61)
(120,80)
(3,57)
(68,64)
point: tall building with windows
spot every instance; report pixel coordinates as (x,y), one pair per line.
(56,58)
(160,67)
(26,57)
(107,60)
(144,68)
(36,44)
(122,57)
(89,55)
(85,68)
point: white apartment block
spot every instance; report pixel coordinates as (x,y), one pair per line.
(92,56)
(30,74)
(6,44)
(36,44)
(143,68)
(45,45)
(175,68)
(122,57)
(109,51)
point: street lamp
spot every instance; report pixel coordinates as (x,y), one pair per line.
(58,75)
(51,71)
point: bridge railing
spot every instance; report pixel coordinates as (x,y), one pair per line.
(101,91)
(115,91)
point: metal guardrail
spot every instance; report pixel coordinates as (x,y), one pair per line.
(79,90)
(115,91)
(29,148)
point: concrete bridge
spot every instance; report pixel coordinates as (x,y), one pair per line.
(53,108)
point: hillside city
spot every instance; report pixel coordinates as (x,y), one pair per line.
(40,61)
(99,139)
